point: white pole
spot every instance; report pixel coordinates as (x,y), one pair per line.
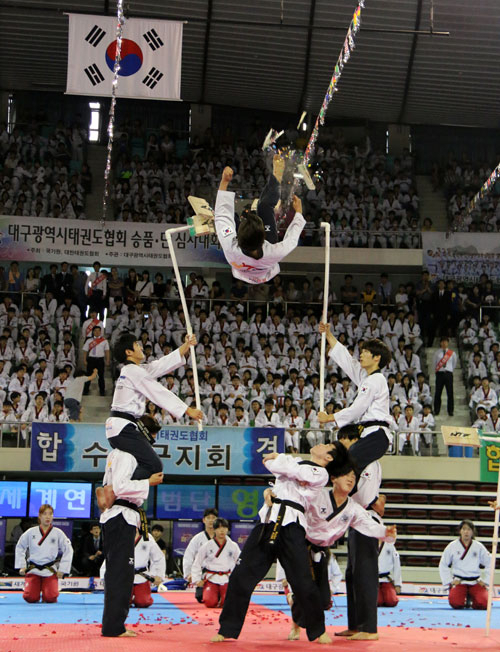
(189,328)
(494,545)
(324,316)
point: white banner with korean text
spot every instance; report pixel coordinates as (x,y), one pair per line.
(115,243)
(461,256)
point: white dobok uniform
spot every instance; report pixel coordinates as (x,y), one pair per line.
(215,563)
(35,547)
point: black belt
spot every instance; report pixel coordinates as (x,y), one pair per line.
(368,424)
(48,566)
(142,514)
(142,571)
(388,574)
(130,417)
(281,514)
(467,579)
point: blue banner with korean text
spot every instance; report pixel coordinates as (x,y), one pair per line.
(83,447)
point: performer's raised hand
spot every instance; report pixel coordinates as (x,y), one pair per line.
(391,531)
(270,456)
(330,337)
(268,496)
(194,413)
(297,204)
(156,478)
(189,340)
(227,175)
(323,417)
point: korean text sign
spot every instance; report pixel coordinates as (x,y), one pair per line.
(183,449)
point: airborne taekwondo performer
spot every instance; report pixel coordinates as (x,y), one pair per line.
(370,408)
(281,535)
(43,555)
(251,248)
(136,384)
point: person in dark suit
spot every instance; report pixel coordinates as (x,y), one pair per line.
(441,310)
(91,552)
(64,281)
(50,282)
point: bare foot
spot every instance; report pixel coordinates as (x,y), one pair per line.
(109,495)
(278,167)
(324,638)
(346,632)
(127,633)
(218,638)
(294,634)
(364,636)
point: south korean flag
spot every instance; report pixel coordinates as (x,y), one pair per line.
(151,56)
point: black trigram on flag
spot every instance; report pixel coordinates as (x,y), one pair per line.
(153,40)
(95,36)
(94,74)
(152,78)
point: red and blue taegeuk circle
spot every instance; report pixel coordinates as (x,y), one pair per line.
(131,57)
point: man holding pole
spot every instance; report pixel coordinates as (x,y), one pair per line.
(370,409)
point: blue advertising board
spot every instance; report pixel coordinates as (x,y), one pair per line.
(13,498)
(240,532)
(182,533)
(240,501)
(68,499)
(183,501)
(211,452)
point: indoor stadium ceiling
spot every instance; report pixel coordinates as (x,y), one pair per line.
(279,54)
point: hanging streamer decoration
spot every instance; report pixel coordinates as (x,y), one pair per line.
(111,125)
(460,223)
(344,57)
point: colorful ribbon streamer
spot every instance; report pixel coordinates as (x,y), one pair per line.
(345,54)
(111,125)
(481,194)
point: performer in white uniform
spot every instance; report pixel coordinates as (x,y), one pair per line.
(136,384)
(281,535)
(150,567)
(43,555)
(462,564)
(328,516)
(209,517)
(389,575)
(214,564)
(119,525)
(252,258)
(361,575)
(370,408)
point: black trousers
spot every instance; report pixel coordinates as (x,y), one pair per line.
(256,558)
(265,208)
(96,302)
(118,540)
(444,379)
(368,449)
(130,440)
(361,578)
(95,363)
(319,573)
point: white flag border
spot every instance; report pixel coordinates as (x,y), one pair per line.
(125,97)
